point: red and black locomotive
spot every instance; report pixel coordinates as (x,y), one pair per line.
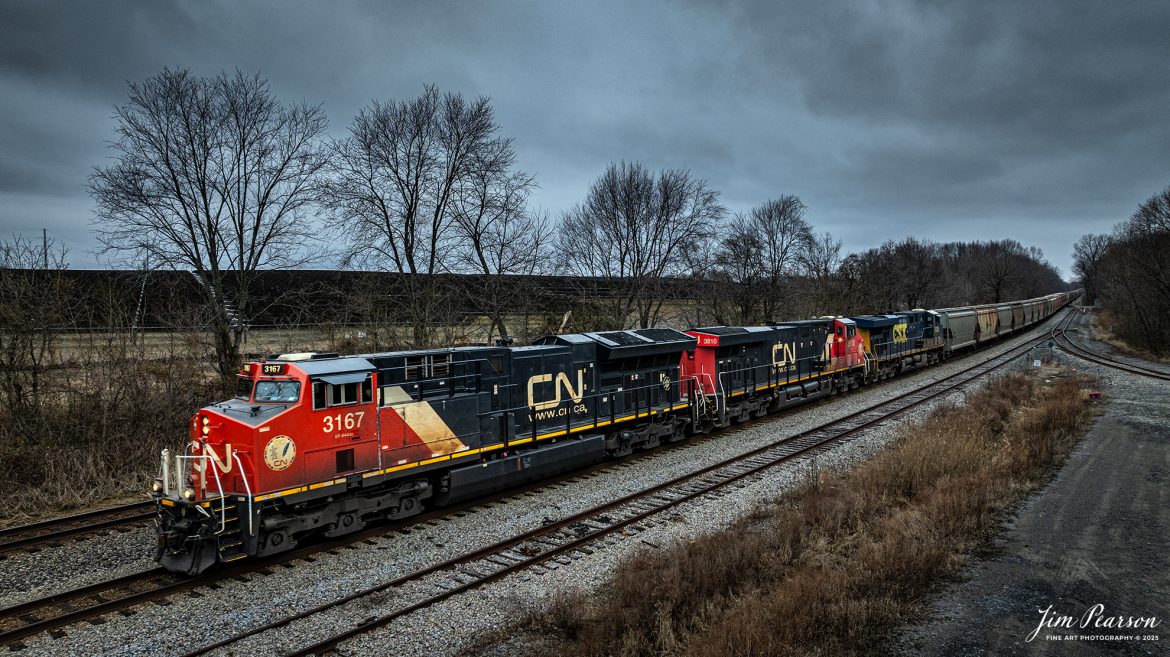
(321,445)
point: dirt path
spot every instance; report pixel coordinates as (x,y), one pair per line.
(1097,534)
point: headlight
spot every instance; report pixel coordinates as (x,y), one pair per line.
(188,493)
(206,425)
(156,486)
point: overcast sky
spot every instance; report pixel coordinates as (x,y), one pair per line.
(1033,120)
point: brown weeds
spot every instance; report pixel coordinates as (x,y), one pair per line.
(834,566)
(92,428)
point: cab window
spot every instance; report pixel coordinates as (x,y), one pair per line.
(278,391)
(342,394)
(244,388)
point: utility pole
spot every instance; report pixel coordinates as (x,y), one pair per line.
(45,246)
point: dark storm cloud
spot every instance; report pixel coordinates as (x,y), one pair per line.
(961,120)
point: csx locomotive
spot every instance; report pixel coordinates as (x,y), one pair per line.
(321,445)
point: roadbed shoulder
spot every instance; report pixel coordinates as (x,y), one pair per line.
(1096,534)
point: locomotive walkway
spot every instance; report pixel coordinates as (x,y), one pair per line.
(549,547)
(576,536)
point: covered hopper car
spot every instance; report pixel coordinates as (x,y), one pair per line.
(322,445)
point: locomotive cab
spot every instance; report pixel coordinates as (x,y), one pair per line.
(243,448)
(846,350)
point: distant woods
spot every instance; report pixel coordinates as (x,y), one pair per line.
(1127,272)
(218,177)
(919,274)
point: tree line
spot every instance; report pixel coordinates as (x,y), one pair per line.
(216,176)
(1127,273)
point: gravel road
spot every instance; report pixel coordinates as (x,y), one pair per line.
(210,613)
(1096,534)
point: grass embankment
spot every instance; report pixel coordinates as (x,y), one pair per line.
(831,568)
(1108,330)
(87,433)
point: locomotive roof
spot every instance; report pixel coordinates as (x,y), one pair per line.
(334,365)
(874,321)
(825,321)
(627,344)
(733,330)
(729,335)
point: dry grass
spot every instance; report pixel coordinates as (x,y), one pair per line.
(833,567)
(1109,331)
(92,428)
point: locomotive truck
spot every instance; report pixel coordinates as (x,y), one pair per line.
(321,445)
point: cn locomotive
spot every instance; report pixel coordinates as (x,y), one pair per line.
(321,445)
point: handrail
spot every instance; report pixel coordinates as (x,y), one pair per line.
(247,488)
(218,487)
(203,478)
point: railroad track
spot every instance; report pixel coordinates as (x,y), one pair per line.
(53,612)
(56,530)
(1060,336)
(578,535)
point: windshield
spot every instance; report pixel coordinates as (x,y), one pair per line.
(243,388)
(278,391)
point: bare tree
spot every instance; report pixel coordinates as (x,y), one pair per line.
(211,175)
(740,262)
(918,269)
(394,182)
(1133,276)
(914,273)
(820,263)
(500,237)
(35,302)
(784,236)
(822,257)
(996,266)
(633,231)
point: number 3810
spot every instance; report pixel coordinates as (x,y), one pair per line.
(343,422)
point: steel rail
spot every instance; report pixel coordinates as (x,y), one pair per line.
(22,537)
(124,592)
(1062,338)
(593,524)
(63,608)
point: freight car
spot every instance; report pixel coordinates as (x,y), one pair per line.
(322,445)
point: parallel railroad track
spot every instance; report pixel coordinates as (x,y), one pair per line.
(53,612)
(55,530)
(576,536)
(1060,336)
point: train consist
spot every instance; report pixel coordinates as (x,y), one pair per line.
(322,445)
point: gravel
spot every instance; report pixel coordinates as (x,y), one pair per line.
(87,560)
(1094,534)
(186,622)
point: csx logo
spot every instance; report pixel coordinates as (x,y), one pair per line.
(899,333)
(562,382)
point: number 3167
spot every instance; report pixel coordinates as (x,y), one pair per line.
(346,422)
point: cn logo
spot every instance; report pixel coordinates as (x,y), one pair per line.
(783,355)
(562,382)
(224,465)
